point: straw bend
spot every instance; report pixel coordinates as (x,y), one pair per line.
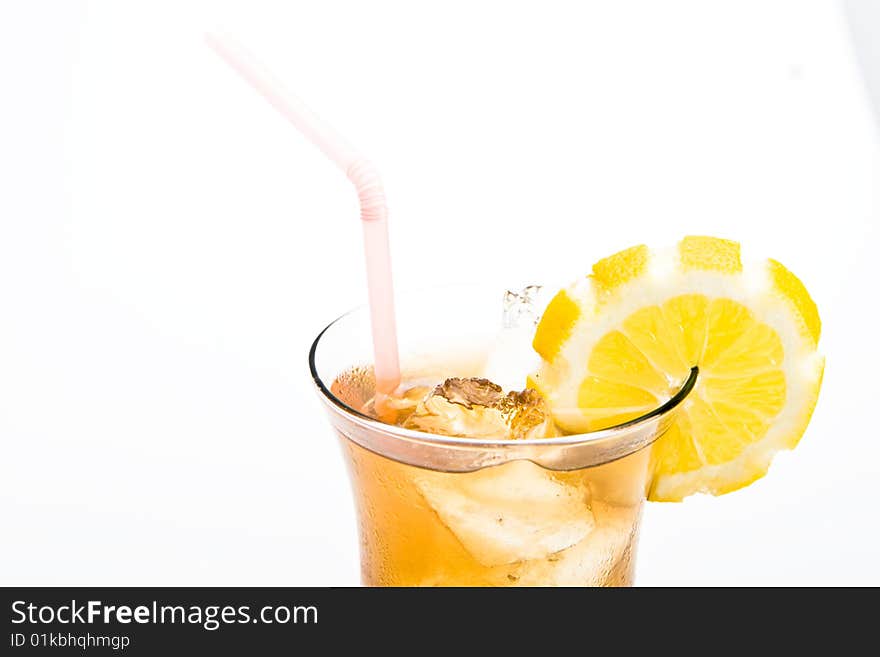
(370,191)
(371,196)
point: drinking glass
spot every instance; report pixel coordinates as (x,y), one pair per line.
(439,510)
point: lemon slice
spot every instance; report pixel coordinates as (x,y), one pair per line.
(620,342)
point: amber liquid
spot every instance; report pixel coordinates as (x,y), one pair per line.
(516,524)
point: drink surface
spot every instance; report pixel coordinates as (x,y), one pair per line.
(515,524)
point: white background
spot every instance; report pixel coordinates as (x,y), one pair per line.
(169,247)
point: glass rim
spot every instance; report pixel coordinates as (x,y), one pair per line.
(413,435)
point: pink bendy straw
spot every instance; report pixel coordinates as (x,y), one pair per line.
(367,183)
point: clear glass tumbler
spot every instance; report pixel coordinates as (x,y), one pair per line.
(447,511)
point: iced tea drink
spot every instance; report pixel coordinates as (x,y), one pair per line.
(504,500)
(516,523)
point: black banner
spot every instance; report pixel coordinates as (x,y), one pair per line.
(172,621)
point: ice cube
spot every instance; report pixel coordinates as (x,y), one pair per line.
(590,562)
(478,408)
(394,409)
(509,513)
(523,308)
(511,357)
